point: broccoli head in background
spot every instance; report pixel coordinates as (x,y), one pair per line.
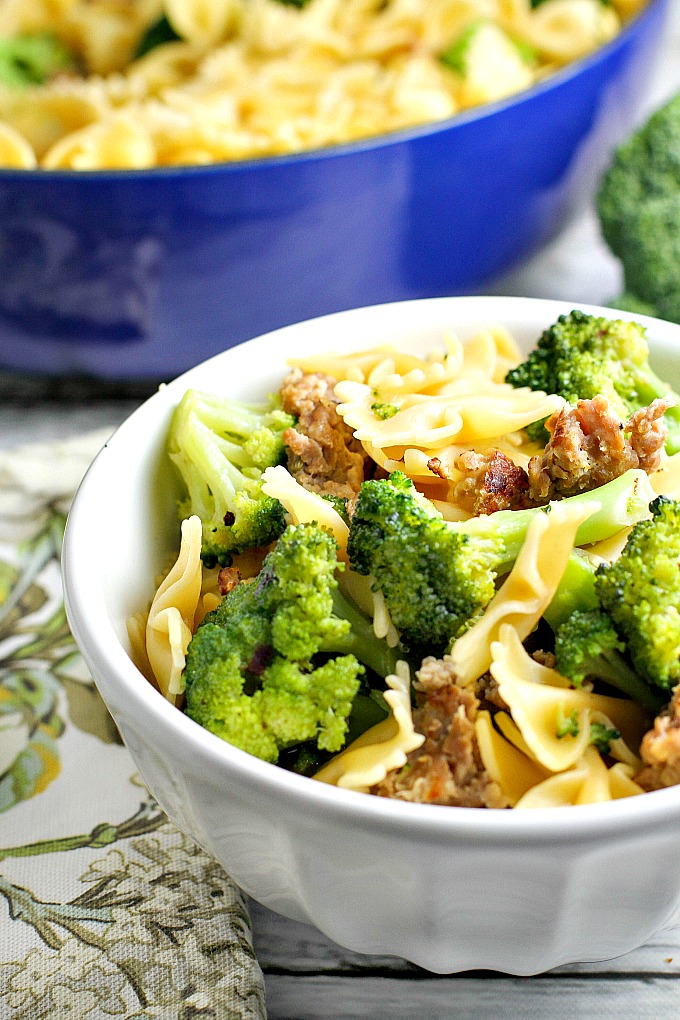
(581,356)
(639,209)
(275,665)
(32,58)
(220,448)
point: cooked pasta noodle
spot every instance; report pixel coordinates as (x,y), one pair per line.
(383,747)
(589,782)
(528,589)
(250,78)
(515,771)
(303,506)
(439,405)
(464,413)
(15,151)
(666,481)
(171,619)
(117,142)
(540,701)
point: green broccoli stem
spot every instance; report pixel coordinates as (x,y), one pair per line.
(361,640)
(366,712)
(624,501)
(223,415)
(576,590)
(611,667)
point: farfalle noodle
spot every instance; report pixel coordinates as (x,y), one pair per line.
(528,589)
(541,701)
(304,506)
(15,150)
(514,771)
(171,619)
(383,747)
(469,412)
(589,782)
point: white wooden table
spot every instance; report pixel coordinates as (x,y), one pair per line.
(307,976)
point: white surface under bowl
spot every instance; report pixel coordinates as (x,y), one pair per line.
(447,888)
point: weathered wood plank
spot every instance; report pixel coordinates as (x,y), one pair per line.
(569,998)
(289,947)
(47,423)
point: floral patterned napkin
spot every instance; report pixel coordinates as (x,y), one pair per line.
(106,909)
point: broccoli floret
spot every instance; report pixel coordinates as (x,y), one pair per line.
(639,209)
(601,736)
(581,356)
(383,411)
(588,647)
(438,576)
(32,58)
(629,633)
(576,590)
(274,666)
(641,593)
(339,503)
(567,725)
(434,580)
(220,448)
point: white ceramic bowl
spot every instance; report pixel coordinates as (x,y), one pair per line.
(447,888)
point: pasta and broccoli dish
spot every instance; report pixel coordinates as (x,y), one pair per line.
(92,84)
(447,579)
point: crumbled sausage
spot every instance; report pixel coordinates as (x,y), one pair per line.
(228,578)
(448,768)
(590,445)
(648,433)
(490,482)
(660,749)
(323,454)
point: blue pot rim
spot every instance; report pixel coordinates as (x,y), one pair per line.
(372,142)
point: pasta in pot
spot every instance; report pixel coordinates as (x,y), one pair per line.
(235,79)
